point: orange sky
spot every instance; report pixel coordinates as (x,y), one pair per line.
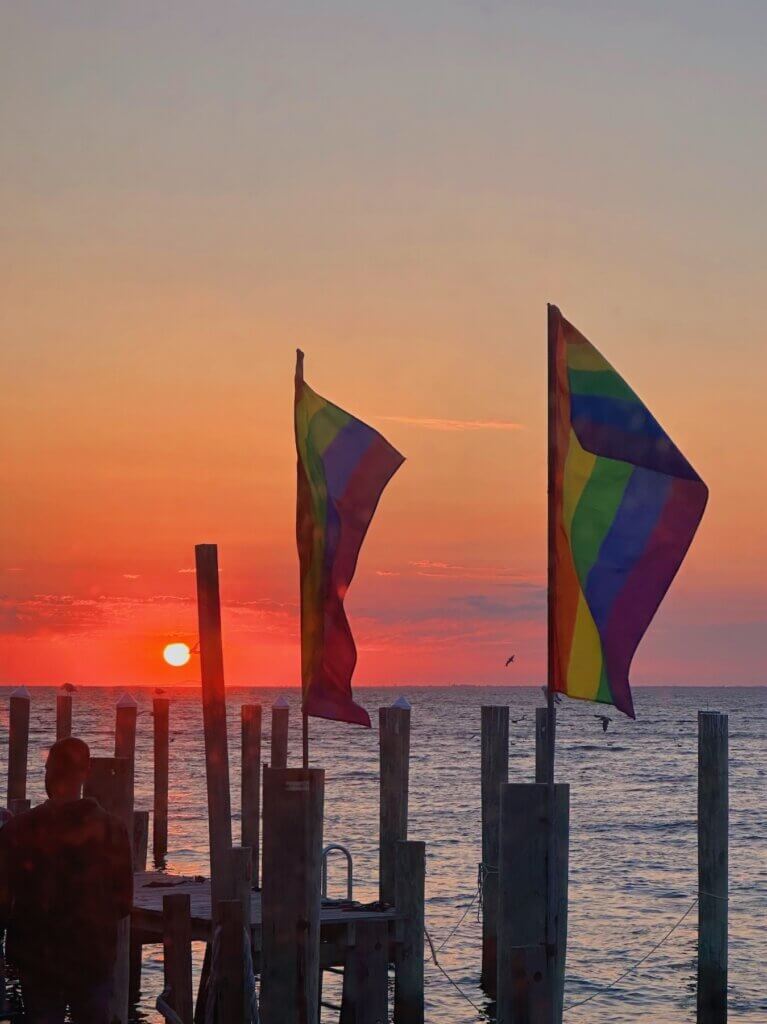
(399,193)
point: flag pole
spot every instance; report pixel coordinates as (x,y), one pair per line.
(551,714)
(551,545)
(299,380)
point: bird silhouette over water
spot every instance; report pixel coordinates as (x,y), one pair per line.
(69,687)
(605,720)
(159,692)
(510,660)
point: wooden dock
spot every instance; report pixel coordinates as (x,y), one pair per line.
(339,919)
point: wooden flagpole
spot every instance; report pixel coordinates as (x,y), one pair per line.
(552,499)
(304,716)
(551,714)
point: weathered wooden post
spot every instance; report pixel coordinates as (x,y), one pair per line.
(365,998)
(530,976)
(19,806)
(177,953)
(230,986)
(394,752)
(242,879)
(160,718)
(280,724)
(125,743)
(214,719)
(290,895)
(495,773)
(109,782)
(410,881)
(713,885)
(250,789)
(126,714)
(18,743)
(140,839)
(542,755)
(63,715)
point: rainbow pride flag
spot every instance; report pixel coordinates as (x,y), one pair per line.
(625,505)
(343,467)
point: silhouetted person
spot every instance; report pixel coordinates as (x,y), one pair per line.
(65,881)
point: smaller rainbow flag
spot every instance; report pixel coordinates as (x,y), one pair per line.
(343,467)
(625,505)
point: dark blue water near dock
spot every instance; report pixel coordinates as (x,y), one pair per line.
(633,833)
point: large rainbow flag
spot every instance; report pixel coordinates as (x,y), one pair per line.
(625,505)
(343,467)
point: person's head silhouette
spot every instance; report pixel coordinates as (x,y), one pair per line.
(66,769)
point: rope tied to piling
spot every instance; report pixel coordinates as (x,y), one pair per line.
(442,971)
(483,870)
(602,990)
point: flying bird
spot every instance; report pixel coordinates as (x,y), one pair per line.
(605,720)
(510,660)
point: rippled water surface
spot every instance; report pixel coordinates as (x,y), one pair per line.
(633,836)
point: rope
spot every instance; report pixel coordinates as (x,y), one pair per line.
(442,970)
(483,870)
(606,988)
(463,917)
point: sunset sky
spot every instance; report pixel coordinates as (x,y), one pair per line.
(190,190)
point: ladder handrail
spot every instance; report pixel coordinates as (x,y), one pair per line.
(332,848)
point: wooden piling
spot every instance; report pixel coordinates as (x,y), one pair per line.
(530,983)
(280,725)
(126,714)
(713,885)
(160,718)
(242,878)
(109,783)
(177,953)
(214,719)
(63,715)
(495,773)
(250,789)
(410,879)
(394,753)
(231,982)
(18,743)
(542,753)
(140,839)
(365,998)
(290,900)
(19,806)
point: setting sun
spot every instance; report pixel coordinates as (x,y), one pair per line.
(176,654)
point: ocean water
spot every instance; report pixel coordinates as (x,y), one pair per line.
(633,845)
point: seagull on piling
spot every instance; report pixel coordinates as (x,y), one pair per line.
(605,720)
(69,687)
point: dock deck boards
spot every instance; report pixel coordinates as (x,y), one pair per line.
(336,916)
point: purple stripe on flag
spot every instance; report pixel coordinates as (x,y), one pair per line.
(636,604)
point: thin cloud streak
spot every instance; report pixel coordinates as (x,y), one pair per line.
(435,423)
